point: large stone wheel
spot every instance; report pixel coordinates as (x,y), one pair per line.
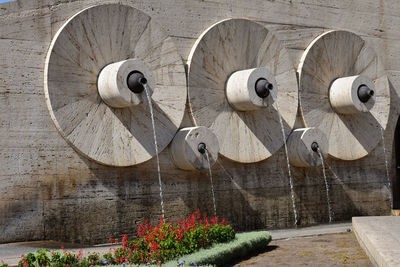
(227,47)
(85,44)
(331,56)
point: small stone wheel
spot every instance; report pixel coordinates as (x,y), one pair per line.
(229,63)
(344,91)
(107,117)
(194,148)
(306,146)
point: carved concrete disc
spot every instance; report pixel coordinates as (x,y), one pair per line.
(333,55)
(226,47)
(85,44)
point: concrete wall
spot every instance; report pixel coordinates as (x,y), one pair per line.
(48,191)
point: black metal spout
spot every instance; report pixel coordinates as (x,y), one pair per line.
(136,82)
(263,87)
(364,93)
(315,146)
(202,148)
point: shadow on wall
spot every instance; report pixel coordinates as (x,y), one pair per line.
(113,200)
(396,161)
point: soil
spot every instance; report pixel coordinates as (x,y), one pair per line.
(324,250)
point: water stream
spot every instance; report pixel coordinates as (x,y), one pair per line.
(212,183)
(335,175)
(147,90)
(288,164)
(388,182)
(326,184)
(229,176)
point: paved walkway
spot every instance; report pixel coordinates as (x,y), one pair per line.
(380,237)
(311,231)
(10,253)
(332,250)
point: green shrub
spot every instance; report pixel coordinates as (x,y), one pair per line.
(223,254)
(42,258)
(27,261)
(45,258)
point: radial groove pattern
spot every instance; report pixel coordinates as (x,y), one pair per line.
(86,43)
(333,55)
(226,47)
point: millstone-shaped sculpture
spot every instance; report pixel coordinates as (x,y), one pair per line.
(344,92)
(97,69)
(239,75)
(194,148)
(306,146)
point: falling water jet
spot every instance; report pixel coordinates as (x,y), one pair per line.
(201,147)
(229,175)
(147,91)
(388,182)
(288,165)
(315,147)
(335,175)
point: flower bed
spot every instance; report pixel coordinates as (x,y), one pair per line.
(154,244)
(223,254)
(166,241)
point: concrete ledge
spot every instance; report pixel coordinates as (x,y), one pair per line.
(380,238)
(322,229)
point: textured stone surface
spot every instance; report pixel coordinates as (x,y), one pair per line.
(186,151)
(237,46)
(338,54)
(116,134)
(49,191)
(300,147)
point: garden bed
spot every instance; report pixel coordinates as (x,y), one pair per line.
(242,246)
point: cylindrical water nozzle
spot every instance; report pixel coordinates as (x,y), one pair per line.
(263,86)
(364,93)
(188,148)
(305,145)
(315,146)
(251,89)
(120,84)
(202,148)
(352,95)
(136,82)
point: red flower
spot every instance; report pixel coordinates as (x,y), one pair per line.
(125,242)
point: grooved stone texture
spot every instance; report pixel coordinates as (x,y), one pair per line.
(88,42)
(330,57)
(49,191)
(226,48)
